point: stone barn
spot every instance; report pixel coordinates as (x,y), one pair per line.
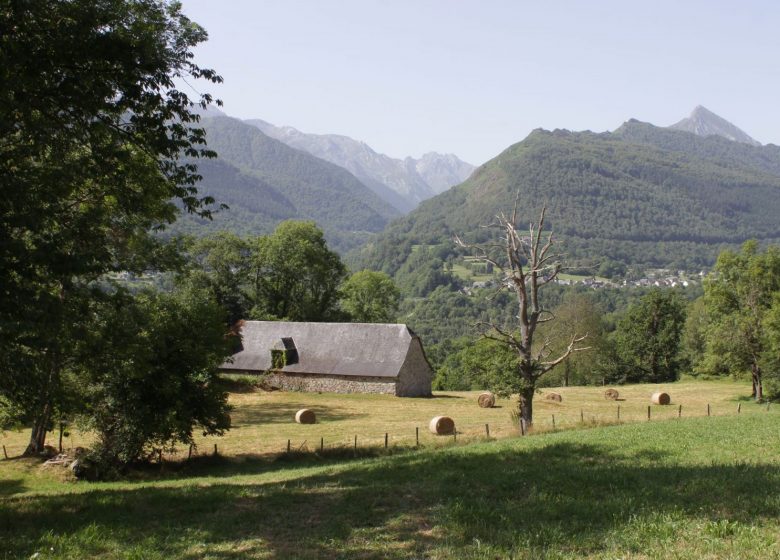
(334,357)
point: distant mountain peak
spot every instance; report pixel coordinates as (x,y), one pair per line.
(704,122)
(401,183)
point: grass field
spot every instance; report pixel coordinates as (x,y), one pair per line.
(690,488)
(263,422)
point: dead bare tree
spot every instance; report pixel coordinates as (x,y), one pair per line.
(527,263)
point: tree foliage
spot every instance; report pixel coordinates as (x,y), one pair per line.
(370,297)
(647,340)
(739,294)
(148,373)
(294,275)
(92,127)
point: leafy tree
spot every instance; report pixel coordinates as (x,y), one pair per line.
(294,275)
(370,297)
(694,337)
(223,260)
(528,266)
(738,295)
(149,373)
(647,340)
(577,313)
(92,126)
(771,359)
(480,364)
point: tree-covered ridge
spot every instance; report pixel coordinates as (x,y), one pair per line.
(642,195)
(265,181)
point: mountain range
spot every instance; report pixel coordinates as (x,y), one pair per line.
(402,183)
(642,195)
(264,181)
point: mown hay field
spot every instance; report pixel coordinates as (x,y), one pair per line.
(263,422)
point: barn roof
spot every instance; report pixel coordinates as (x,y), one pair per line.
(352,349)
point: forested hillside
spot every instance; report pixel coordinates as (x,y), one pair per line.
(642,195)
(264,181)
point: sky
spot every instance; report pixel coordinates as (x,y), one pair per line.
(474,77)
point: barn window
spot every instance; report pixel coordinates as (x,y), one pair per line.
(284,353)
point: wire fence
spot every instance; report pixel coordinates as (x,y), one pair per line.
(421,437)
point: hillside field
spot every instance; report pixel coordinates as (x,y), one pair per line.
(264,421)
(692,488)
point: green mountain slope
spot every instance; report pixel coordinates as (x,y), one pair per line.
(641,195)
(264,181)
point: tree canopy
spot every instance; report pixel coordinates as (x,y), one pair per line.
(92,129)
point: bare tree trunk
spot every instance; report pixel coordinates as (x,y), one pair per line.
(758,389)
(527,406)
(38,434)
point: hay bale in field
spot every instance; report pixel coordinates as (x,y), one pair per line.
(553,397)
(442,425)
(486,400)
(305,416)
(611,394)
(661,398)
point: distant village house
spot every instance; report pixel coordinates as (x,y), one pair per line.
(334,357)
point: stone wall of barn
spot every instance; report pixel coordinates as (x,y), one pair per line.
(416,375)
(312,383)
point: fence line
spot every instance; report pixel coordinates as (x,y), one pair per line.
(465,433)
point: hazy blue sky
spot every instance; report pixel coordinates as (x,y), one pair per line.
(473,77)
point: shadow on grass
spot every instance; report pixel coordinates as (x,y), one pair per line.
(563,496)
(284,413)
(10,487)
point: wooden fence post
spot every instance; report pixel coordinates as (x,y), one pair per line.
(648,412)
(215,450)
(355,442)
(189,454)
(679,411)
(739,408)
(708,409)
(288,446)
(5,453)
(417,436)
(322,444)
(487,430)
(522,426)
(582,416)
(618,412)
(385,440)
(553,418)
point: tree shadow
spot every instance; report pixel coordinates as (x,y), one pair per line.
(563,496)
(284,413)
(9,487)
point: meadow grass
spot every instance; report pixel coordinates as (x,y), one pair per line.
(690,488)
(264,421)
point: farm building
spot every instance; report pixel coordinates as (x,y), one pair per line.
(334,357)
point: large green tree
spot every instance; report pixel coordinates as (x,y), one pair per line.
(738,295)
(294,275)
(92,128)
(647,339)
(149,373)
(370,297)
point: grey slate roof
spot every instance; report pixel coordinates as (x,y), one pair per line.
(352,349)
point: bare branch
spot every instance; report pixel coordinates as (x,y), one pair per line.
(571,348)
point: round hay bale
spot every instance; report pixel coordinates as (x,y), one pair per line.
(486,400)
(661,398)
(553,397)
(442,425)
(305,416)
(611,394)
